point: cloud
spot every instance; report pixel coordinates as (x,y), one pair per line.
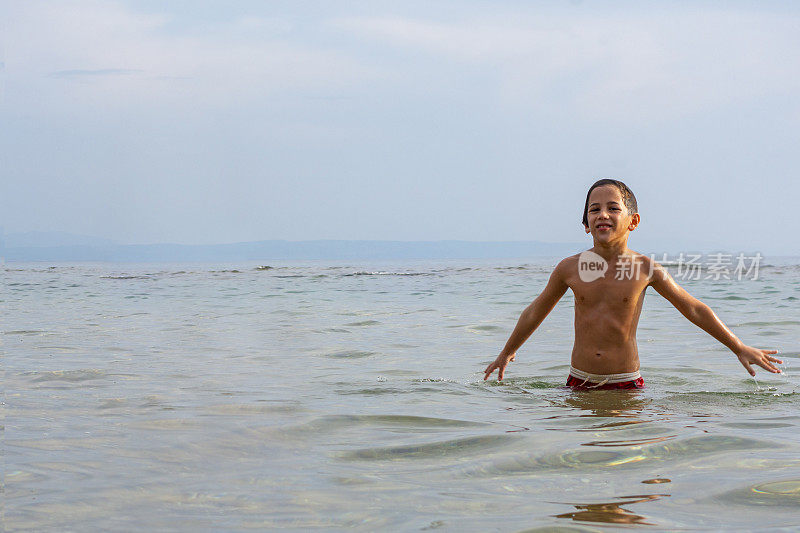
(632,65)
(92,73)
(140,59)
(604,64)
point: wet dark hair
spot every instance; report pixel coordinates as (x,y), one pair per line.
(627,197)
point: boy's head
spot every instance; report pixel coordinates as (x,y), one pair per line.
(627,197)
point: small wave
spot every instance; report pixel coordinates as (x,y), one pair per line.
(113,403)
(387,273)
(782,493)
(345,422)
(333,330)
(363,323)
(484,328)
(693,447)
(757,425)
(252,409)
(67,375)
(378,391)
(146,275)
(166,424)
(350,354)
(264,267)
(455,447)
(776,323)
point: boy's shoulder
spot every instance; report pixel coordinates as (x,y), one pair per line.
(567,268)
(649,266)
(568,264)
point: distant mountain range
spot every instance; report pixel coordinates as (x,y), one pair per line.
(52,238)
(57,246)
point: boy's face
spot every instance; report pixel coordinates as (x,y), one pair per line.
(607,215)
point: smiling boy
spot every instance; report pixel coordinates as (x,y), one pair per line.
(609,283)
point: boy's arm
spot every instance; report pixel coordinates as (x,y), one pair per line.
(530,319)
(701,315)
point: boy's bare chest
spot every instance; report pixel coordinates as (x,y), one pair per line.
(614,292)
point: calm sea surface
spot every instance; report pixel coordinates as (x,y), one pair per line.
(349,395)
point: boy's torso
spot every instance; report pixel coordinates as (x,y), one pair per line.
(606,316)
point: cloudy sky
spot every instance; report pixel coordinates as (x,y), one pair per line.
(202,122)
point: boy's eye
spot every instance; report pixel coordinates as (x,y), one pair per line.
(592,210)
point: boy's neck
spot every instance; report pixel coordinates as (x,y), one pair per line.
(611,250)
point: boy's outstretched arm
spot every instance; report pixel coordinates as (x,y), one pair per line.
(530,319)
(701,315)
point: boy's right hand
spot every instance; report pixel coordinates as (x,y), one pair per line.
(499,364)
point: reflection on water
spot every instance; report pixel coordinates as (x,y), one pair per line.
(630,442)
(772,493)
(612,512)
(611,403)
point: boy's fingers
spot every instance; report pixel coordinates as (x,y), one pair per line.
(770,351)
(766,366)
(766,362)
(774,360)
(490,369)
(747,367)
(501,373)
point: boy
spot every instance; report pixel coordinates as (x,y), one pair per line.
(609,283)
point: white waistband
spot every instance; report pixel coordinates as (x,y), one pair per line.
(602,379)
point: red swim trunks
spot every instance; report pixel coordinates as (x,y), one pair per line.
(579,384)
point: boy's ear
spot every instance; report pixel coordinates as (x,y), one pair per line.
(587,229)
(635,219)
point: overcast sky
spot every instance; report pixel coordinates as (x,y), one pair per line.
(206,122)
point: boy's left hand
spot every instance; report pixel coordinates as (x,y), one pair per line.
(755,356)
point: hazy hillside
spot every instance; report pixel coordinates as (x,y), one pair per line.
(48,248)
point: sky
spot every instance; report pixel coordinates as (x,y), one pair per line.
(204,122)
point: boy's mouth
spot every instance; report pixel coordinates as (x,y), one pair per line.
(602,226)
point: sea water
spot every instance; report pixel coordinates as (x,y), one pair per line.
(350,395)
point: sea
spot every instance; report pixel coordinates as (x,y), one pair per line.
(349,395)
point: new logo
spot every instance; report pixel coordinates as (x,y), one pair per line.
(591,266)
